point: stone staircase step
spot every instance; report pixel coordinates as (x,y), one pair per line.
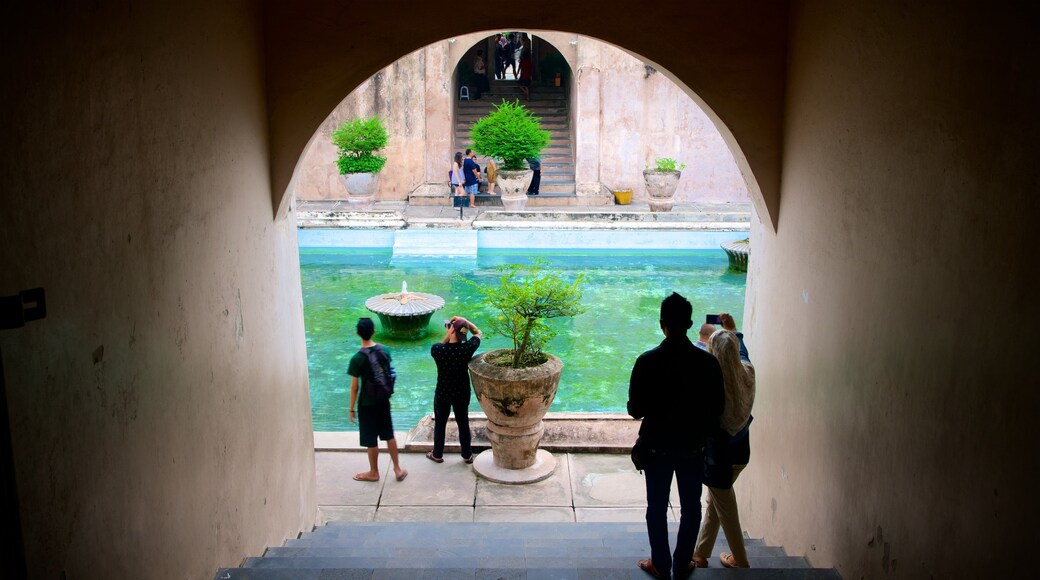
(561,573)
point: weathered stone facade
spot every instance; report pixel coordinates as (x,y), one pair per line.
(623,115)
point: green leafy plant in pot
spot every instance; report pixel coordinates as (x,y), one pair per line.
(515,387)
(357,141)
(662,182)
(511,133)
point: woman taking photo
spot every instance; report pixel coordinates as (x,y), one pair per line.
(729,448)
(452,356)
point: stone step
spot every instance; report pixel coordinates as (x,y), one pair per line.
(629,572)
(486,550)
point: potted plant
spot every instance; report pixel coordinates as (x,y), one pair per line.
(510,133)
(661,183)
(356,140)
(516,386)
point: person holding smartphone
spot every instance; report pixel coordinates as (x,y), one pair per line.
(729,448)
(452,355)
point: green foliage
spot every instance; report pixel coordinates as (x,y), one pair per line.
(510,133)
(526,298)
(668,164)
(356,140)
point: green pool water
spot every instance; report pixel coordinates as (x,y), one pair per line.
(623,291)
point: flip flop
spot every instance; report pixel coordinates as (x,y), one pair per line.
(404,474)
(429,455)
(467,459)
(365,477)
(648,567)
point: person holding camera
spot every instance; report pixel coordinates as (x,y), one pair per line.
(452,355)
(677,390)
(729,448)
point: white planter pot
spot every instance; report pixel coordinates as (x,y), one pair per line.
(361,189)
(660,188)
(513,185)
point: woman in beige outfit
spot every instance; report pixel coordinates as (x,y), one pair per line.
(729,450)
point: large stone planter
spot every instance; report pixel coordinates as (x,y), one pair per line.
(361,189)
(660,188)
(513,185)
(515,401)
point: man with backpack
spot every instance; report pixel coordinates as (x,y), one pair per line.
(371,371)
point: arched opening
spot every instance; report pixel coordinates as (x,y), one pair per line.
(762,136)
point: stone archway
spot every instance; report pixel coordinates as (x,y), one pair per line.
(733,67)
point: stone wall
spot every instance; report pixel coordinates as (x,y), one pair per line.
(625,117)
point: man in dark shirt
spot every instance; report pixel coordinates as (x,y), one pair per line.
(676,389)
(471,171)
(373,417)
(452,356)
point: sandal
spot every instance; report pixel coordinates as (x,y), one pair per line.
(648,567)
(468,459)
(728,561)
(364,476)
(698,562)
(429,455)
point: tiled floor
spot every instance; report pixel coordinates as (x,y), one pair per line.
(584,488)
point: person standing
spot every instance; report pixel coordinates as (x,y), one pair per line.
(452,355)
(535,164)
(480,70)
(677,391)
(526,72)
(372,416)
(730,448)
(456,175)
(704,335)
(471,171)
(513,52)
(500,56)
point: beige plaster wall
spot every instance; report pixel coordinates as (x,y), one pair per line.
(892,317)
(160,413)
(733,63)
(629,116)
(625,117)
(407,95)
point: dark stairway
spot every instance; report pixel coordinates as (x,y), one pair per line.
(494,551)
(550,104)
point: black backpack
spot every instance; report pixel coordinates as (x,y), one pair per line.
(379,383)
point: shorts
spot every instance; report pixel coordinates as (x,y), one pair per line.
(472,189)
(374,421)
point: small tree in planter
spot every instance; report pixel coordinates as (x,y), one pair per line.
(662,182)
(515,387)
(511,133)
(357,140)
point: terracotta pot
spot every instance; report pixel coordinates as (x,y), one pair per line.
(660,188)
(515,401)
(513,185)
(361,189)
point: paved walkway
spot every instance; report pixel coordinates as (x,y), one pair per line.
(585,487)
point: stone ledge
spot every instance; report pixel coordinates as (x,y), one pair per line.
(564,433)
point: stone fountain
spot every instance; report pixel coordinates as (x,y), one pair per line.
(404,314)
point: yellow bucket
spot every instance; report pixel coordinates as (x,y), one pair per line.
(622,196)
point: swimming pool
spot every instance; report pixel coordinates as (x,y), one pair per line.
(623,290)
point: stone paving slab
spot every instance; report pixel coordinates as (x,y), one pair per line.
(600,480)
(352,514)
(615,514)
(501,514)
(335,483)
(451,483)
(554,491)
(424,514)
